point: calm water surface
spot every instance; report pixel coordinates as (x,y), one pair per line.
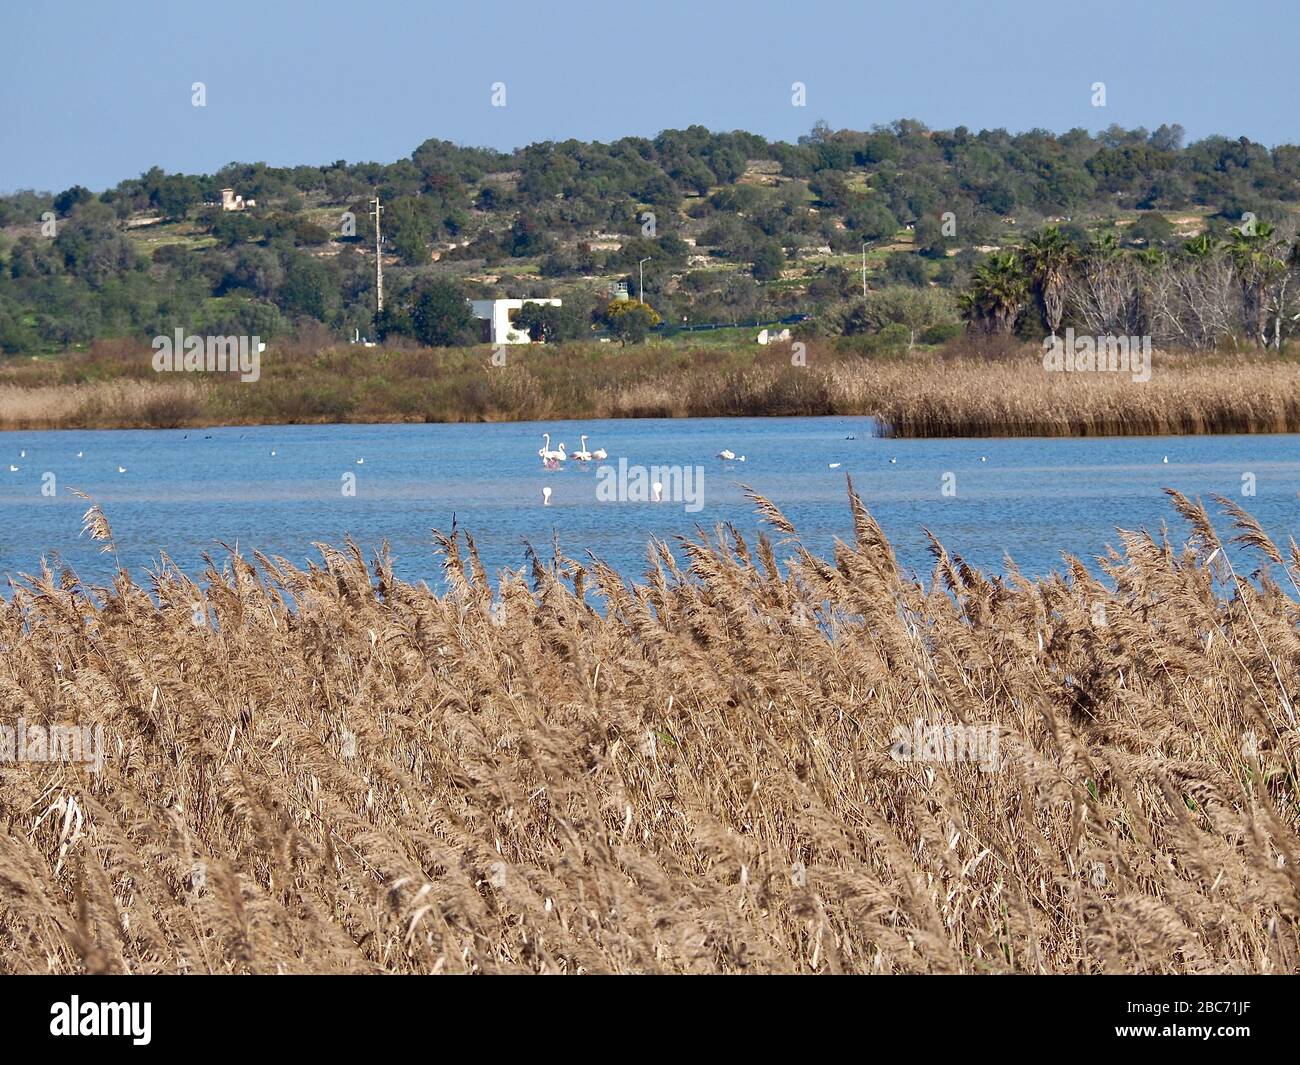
(1029,500)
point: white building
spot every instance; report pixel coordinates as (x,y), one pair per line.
(498,319)
(232,202)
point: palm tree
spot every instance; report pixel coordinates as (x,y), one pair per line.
(1200,247)
(1260,260)
(997,293)
(1105,247)
(1048,257)
(1153,258)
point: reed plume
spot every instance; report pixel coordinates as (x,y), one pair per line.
(725,766)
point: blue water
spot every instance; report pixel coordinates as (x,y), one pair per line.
(183,491)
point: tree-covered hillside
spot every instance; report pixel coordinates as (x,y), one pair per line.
(729,228)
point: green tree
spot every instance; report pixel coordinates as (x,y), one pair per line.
(408,230)
(1047,258)
(1260,260)
(92,248)
(630,320)
(308,288)
(547,323)
(905,268)
(434,312)
(997,294)
(71,198)
(769,261)
(1151,227)
(232,228)
(15,336)
(176,194)
(528,237)
(870,220)
(918,310)
(258,270)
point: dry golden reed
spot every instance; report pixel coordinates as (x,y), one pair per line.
(1014,396)
(960,390)
(330,770)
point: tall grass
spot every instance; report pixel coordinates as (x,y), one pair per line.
(1014,396)
(960,390)
(330,770)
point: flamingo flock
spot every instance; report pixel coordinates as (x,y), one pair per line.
(552,457)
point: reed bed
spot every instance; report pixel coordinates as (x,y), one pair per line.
(1014,396)
(121,404)
(325,769)
(960,390)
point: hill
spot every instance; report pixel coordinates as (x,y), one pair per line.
(735,228)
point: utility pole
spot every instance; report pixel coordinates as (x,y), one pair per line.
(864,271)
(379,258)
(641,267)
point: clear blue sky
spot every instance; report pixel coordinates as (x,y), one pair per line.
(91,94)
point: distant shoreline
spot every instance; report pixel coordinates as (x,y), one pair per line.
(956,391)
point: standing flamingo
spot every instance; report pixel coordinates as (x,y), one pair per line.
(547,454)
(582,454)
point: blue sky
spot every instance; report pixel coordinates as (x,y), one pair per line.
(90,94)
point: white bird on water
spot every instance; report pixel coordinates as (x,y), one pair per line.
(79,454)
(547,454)
(546,495)
(361,462)
(582,454)
(600,454)
(893,461)
(657,492)
(13,468)
(121,469)
(1166,460)
(272,454)
(22,454)
(835,465)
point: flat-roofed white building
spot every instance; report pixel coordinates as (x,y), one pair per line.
(498,318)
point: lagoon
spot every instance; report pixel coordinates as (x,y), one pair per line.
(988,500)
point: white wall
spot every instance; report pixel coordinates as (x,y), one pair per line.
(498,313)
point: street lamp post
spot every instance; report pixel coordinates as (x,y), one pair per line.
(641,267)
